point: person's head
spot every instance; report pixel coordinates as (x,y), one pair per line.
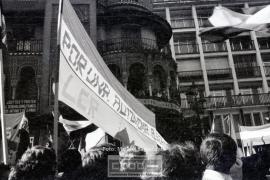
(4,171)
(70,160)
(36,163)
(218,152)
(181,161)
(94,161)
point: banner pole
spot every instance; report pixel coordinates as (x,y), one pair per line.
(56,87)
(2,101)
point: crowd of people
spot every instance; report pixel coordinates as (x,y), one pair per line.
(218,158)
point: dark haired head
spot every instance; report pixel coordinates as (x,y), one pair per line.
(94,161)
(36,163)
(218,152)
(181,161)
(71,160)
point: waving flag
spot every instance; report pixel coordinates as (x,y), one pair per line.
(87,85)
(227,23)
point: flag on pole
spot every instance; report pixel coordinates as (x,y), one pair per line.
(87,85)
(17,133)
(227,23)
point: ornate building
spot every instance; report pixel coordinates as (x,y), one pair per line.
(131,38)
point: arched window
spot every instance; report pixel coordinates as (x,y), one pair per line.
(116,71)
(159,80)
(136,79)
(27,87)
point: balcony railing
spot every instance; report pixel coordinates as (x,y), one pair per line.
(182,23)
(190,75)
(248,72)
(204,22)
(214,47)
(217,102)
(237,100)
(27,46)
(143,3)
(242,45)
(186,48)
(264,43)
(126,44)
(218,74)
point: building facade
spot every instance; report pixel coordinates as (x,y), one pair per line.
(133,41)
(231,76)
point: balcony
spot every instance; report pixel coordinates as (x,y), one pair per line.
(214,47)
(232,101)
(25,46)
(186,49)
(237,100)
(204,22)
(242,45)
(182,23)
(190,76)
(264,43)
(219,74)
(127,45)
(141,3)
(248,72)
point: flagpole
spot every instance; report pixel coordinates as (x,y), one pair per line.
(2,101)
(56,87)
(2,97)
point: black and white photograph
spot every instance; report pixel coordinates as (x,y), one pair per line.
(135,89)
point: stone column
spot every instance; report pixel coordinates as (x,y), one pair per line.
(168,18)
(150,82)
(168,84)
(259,59)
(14,82)
(202,60)
(231,64)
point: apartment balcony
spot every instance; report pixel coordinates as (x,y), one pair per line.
(139,3)
(181,49)
(242,45)
(219,74)
(218,102)
(204,22)
(182,23)
(237,101)
(248,72)
(118,45)
(264,43)
(25,46)
(190,76)
(214,47)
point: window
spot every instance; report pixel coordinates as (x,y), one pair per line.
(247,120)
(218,123)
(257,119)
(237,122)
(265,116)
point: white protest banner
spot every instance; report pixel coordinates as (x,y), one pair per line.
(87,85)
